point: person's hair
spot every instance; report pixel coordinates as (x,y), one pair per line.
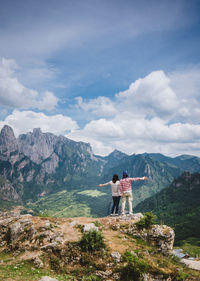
(115,178)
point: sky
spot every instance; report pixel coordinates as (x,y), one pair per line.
(119,74)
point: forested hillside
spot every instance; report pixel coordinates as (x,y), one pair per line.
(178,206)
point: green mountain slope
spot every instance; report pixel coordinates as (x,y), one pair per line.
(178,206)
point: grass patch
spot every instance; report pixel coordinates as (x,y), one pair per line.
(92,193)
(62,204)
(23,271)
(10,269)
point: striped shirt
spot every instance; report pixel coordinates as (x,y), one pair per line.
(125,184)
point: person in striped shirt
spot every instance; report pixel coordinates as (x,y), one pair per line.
(126,191)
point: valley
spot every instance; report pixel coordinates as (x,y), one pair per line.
(58,177)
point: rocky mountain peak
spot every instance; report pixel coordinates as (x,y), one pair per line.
(36,145)
(7,134)
(8,142)
(116,154)
(37,132)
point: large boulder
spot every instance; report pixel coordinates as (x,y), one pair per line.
(160,236)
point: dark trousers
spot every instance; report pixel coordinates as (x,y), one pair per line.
(115,206)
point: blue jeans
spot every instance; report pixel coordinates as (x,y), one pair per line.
(115,206)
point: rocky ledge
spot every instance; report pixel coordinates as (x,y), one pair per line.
(55,243)
(25,232)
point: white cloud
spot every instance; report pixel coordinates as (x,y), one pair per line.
(103,129)
(25,121)
(13,94)
(34,71)
(149,116)
(150,95)
(140,135)
(7,67)
(186,83)
(101,106)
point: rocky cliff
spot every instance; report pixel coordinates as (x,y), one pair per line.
(39,162)
(45,149)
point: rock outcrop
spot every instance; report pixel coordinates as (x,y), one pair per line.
(55,244)
(20,232)
(160,236)
(57,240)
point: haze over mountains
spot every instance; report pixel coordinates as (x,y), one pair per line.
(37,165)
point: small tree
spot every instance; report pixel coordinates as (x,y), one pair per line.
(92,241)
(147,221)
(134,269)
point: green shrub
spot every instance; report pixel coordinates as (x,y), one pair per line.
(92,241)
(55,263)
(134,269)
(128,257)
(181,276)
(97,224)
(147,221)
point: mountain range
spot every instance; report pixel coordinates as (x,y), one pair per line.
(55,172)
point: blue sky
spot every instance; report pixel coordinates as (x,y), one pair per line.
(118,74)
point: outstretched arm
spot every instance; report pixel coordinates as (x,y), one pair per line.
(104,184)
(138,179)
